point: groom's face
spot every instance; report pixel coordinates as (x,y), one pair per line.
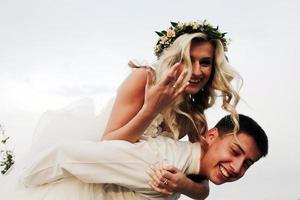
(228,157)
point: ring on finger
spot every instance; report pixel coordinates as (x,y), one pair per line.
(165,182)
(174,86)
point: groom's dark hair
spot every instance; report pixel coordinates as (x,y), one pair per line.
(247,126)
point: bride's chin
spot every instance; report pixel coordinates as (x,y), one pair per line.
(191,91)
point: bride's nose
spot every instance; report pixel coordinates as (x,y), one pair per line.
(197,70)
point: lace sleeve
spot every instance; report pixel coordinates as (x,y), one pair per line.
(155,128)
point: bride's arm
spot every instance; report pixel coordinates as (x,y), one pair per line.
(129,118)
(138,102)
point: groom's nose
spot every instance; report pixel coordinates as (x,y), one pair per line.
(236,166)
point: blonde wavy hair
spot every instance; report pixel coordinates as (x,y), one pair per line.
(185,116)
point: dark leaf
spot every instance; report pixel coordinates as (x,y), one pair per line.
(159,33)
(174,24)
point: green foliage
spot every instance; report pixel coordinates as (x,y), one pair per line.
(6,155)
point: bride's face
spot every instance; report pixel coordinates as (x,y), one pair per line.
(202,55)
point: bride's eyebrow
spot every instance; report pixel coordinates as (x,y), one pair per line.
(202,59)
(208,58)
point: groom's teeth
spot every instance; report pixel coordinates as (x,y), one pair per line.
(224,172)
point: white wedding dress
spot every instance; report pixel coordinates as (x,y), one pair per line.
(75,122)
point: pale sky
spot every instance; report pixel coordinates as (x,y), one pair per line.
(55,52)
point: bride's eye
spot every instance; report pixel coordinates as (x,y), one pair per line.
(205,62)
(192,59)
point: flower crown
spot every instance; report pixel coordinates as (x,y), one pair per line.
(167,37)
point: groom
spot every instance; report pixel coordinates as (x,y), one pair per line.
(226,158)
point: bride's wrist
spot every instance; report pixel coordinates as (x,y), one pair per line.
(149,112)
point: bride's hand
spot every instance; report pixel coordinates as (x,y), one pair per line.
(167,180)
(159,96)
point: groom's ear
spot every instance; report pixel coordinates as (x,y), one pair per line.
(211,135)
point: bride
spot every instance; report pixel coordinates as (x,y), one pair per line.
(168,100)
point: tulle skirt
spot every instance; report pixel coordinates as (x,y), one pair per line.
(77,121)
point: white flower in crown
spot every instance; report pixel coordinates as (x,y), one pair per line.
(200,22)
(228,41)
(195,26)
(192,24)
(170,33)
(163,39)
(180,25)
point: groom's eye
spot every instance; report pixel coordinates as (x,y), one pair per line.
(235,152)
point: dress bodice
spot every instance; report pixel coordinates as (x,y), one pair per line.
(155,128)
